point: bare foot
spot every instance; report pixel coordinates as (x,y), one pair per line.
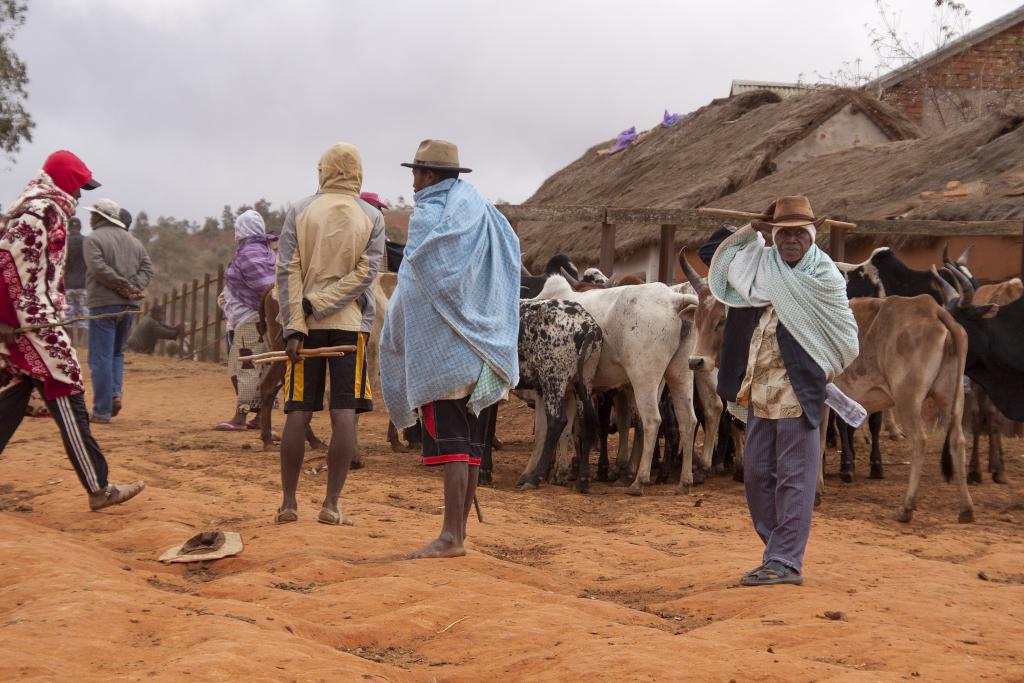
(439,547)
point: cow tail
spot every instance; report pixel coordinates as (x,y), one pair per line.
(590,420)
(958,338)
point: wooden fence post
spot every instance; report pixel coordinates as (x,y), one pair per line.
(193,319)
(206,318)
(219,315)
(607,264)
(837,243)
(173,317)
(161,349)
(666,269)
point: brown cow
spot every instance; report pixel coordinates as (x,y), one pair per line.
(910,349)
(979,412)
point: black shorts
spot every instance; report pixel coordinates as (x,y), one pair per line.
(451,433)
(305,381)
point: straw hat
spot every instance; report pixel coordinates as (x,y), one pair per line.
(109,209)
(439,155)
(207,545)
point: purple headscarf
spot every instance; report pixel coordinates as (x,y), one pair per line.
(251,271)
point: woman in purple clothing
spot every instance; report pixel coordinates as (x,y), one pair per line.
(247,278)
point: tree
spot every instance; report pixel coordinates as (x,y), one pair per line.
(227,218)
(15,123)
(895,50)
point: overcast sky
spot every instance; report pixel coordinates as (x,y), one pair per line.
(182,106)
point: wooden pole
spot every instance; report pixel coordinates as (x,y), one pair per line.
(193,318)
(607,264)
(206,317)
(161,348)
(174,308)
(218,327)
(666,272)
(1022,251)
(837,243)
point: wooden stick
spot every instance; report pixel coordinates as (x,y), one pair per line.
(62,323)
(729,213)
(476,504)
(302,352)
(457,621)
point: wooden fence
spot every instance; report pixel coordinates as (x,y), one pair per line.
(676,221)
(194,304)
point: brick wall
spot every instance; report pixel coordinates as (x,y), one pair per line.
(981,75)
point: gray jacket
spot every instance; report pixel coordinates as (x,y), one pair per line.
(114,261)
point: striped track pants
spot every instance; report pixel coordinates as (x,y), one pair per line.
(72,418)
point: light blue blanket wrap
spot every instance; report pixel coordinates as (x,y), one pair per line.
(454,318)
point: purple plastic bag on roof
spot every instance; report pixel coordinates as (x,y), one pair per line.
(623,141)
(669,120)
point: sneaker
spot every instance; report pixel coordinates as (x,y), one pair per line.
(114,494)
(100,420)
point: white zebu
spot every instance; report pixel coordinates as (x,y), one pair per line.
(645,347)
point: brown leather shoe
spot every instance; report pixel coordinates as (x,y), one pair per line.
(115,406)
(114,494)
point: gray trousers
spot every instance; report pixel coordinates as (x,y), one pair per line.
(780,472)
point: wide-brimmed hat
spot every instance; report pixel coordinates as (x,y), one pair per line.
(439,155)
(791,212)
(207,545)
(109,209)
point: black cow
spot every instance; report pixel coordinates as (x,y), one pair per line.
(530,285)
(995,356)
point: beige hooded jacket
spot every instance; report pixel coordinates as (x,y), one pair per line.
(327,248)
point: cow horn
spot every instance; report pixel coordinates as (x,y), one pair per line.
(524,271)
(962,261)
(573,282)
(945,289)
(945,254)
(696,280)
(965,286)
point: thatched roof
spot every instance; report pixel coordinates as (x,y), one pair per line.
(984,160)
(717,150)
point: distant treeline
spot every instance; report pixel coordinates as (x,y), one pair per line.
(184,250)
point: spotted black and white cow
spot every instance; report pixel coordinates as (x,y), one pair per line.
(559,347)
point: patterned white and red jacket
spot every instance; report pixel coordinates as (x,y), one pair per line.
(32,253)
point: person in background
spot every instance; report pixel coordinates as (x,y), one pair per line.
(118,269)
(247,278)
(150,329)
(32,256)
(75,305)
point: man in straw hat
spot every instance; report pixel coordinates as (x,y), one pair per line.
(449,345)
(330,250)
(32,257)
(789,332)
(118,269)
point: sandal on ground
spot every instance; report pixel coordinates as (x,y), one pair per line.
(755,570)
(773,573)
(335,518)
(228,427)
(286,516)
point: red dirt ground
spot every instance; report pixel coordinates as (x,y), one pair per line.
(556,585)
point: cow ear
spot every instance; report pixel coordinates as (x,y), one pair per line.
(688,312)
(993,311)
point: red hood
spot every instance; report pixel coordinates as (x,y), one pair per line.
(67,171)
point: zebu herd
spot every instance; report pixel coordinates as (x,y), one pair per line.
(598,356)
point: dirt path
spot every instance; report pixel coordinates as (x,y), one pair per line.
(556,586)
